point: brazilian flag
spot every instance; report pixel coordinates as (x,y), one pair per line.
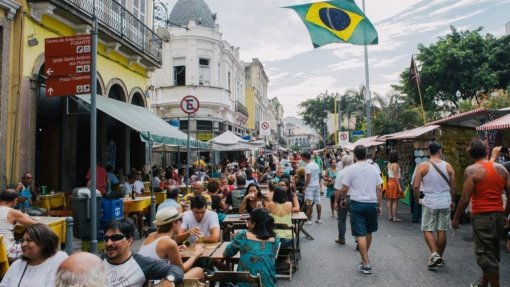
(340,21)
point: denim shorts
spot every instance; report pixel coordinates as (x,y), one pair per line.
(363,218)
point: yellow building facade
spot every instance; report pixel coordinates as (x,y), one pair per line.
(50,136)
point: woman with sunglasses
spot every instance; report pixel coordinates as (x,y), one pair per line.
(40,260)
(253,198)
(258,246)
(160,245)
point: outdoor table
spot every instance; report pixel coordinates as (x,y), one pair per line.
(160,196)
(209,249)
(52,200)
(138,204)
(218,255)
(299,219)
(57,224)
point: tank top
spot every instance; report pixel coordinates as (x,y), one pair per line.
(6,227)
(149,250)
(285,219)
(435,188)
(390,172)
(487,196)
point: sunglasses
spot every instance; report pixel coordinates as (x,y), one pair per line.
(114,237)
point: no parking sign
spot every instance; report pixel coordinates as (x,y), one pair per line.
(343,138)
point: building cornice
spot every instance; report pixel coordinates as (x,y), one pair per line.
(12,7)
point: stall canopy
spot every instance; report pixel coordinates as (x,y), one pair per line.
(151,127)
(367,142)
(412,134)
(497,124)
(228,141)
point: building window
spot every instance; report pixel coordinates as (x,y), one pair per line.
(204,125)
(183,125)
(139,9)
(228,80)
(179,71)
(229,127)
(204,72)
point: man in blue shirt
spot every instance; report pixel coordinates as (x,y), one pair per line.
(172,195)
(26,192)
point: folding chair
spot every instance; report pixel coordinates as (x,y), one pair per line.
(233,277)
(287,253)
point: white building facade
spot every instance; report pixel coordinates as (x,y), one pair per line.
(198,62)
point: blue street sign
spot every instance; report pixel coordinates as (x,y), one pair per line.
(357,133)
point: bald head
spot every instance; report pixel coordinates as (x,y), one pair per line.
(81,269)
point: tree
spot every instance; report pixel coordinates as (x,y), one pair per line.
(462,61)
(314,111)
(393,114)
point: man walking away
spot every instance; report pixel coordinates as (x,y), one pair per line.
(342,211)
(312,188)
(438,179)
(363,182)
(483,183)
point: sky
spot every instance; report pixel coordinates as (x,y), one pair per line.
(297,71)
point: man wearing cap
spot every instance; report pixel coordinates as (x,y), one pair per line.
(438,180)
(159,245)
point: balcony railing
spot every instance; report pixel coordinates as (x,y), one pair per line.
(240,108)
(119,20)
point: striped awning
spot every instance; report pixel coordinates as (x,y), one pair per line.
(497,124)
(414,133)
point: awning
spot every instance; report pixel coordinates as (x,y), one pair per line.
(367,142)
(413,133)
(497,124)
(151,127)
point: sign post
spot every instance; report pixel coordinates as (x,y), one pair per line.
(343,138)
(68,65)
(189,105)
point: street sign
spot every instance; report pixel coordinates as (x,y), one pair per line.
(343,138)
(265,128)
(357,133)
(68,65)
(190,104)
(63,86)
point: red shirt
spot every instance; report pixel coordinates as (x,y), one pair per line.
(487,196)
(101,178)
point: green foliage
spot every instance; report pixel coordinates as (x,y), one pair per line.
(462,61)
(314,111)
(295,148)
(393,114)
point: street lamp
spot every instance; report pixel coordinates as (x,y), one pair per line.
(338,117)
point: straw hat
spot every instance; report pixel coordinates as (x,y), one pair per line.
(167,215)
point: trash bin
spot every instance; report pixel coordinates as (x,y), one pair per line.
(80,205)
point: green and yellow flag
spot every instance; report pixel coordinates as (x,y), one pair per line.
(340,21)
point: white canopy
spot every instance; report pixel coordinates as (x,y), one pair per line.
(228,141)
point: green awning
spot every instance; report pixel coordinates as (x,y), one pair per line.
(151,127)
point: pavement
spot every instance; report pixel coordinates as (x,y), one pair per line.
(398,257)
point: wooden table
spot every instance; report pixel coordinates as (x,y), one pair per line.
(138,204)
(209,249)
(53,200)
(57,224)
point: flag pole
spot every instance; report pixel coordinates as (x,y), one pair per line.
(419,90)
(367,87)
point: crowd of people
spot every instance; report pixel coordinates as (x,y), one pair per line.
(353,184)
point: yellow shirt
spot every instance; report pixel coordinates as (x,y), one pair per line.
(200,163)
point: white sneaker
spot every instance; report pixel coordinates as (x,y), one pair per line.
(309,222)
(318,221)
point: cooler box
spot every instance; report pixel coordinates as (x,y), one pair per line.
(112,209)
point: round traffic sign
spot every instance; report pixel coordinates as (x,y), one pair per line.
(190,104)
(343,136)
(264,125)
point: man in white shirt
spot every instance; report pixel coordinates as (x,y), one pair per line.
(199,224)
(342,211)
(363,183)
(312,188)
(131,184)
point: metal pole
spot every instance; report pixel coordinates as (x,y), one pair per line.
(153,197)
(187,155)
(367,89)
(69,236)
(93,134)
(336,122)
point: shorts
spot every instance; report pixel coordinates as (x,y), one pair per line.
(363,218)
(487,232)
(435,219)
(313,194)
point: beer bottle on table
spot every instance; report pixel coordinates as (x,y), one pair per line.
(133,192)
